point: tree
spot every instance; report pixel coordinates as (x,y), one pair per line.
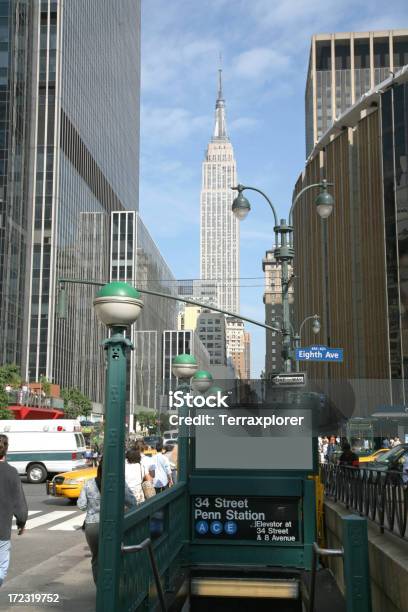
(45,385)
(5,413)
(75,403)
(9,375)
(146,419)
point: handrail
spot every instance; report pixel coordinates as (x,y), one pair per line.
(317,552)
(147,545)
(378,494)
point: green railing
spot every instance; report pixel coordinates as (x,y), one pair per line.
(165,519)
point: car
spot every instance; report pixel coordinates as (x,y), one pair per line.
(69,484)
(170,444)
(391,460)
(372,456)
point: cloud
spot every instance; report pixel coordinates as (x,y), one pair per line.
(168,126)
(260,62)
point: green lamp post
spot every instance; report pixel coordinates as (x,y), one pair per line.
(202,381)
(184,367)
(117,305)
(284,251)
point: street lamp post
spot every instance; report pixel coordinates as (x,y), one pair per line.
(297,337)
(183,367)
(284,251)
(117,305)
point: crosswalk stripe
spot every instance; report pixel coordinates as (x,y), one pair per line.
(30,513)
(47,518)
(71,524)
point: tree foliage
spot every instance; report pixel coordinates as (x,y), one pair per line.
(5,413)
(9,375)
(45,385)
(75,403)
(146,419)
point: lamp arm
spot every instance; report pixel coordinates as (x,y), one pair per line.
(275,216)
(315,316)
(62,281)
(298,195)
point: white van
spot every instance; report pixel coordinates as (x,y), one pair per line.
(41,447)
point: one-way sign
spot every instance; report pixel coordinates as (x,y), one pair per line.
(289,379)
(319,353)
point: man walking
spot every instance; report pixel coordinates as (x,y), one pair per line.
(13,502)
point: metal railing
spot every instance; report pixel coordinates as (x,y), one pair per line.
(163,521)
(319,552)
(147,545)
(380,495)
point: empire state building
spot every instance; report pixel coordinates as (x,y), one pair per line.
(219,235)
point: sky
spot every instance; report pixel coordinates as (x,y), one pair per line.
(264,45)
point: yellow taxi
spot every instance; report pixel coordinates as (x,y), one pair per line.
(69,484)
(373,455)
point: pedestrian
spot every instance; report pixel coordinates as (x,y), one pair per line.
(13,503)
(90,500)
(331,448)
(136,473)
(348,457)
(95,456)
(397,441)
(386,443)
(160,470)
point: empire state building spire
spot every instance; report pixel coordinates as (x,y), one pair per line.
(219,228)
(220,128)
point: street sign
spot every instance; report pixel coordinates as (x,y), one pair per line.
(240,517)
(319,353)
(289,379)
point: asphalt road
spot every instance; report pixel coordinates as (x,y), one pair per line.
(54,525)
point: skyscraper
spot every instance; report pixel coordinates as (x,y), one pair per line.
(69,115)
(273,312)
(219,238)
(342,67)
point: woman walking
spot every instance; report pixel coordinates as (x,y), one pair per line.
(136,473)
(90,500)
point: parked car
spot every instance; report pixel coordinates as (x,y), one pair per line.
(372,456)
(170,444)
(69,484)
(151,442)
(392,460)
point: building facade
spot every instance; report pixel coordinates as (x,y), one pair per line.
(15,104)
(238,346)
(136,259)
(219,229)
(70,115)
(272,299)
(178,342)
(352,268)
(211,329)
(343,67)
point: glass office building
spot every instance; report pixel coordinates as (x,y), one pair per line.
(69,138)
(343,67)
(136,259)
(15,95)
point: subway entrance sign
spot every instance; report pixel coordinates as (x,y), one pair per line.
(241,517)
(319,353)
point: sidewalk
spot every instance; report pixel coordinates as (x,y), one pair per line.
(67,574)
